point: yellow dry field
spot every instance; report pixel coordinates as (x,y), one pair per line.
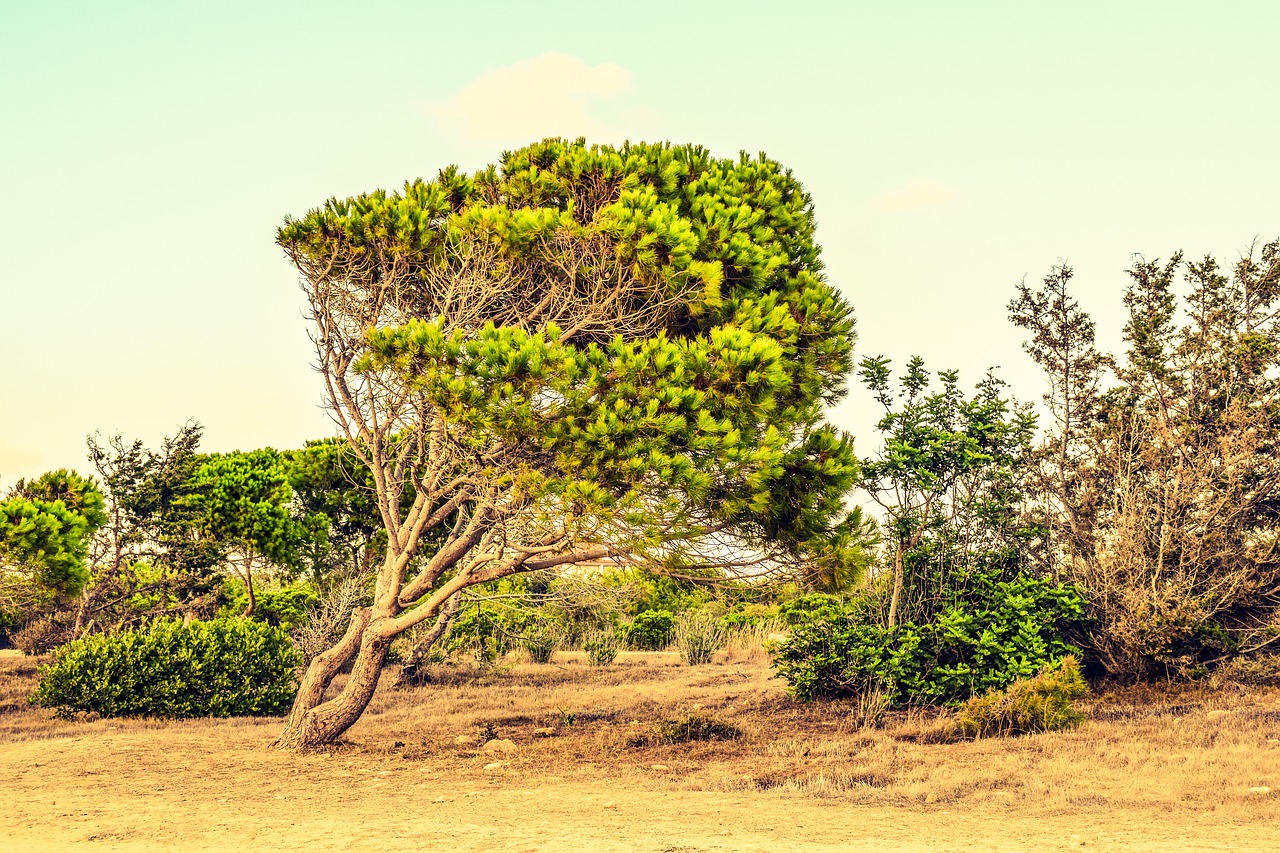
(1149,771)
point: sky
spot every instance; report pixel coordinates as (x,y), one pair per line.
(148,152)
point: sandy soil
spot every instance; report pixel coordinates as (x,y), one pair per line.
(215,785)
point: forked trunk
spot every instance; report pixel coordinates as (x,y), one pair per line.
(315,722)
(414,671)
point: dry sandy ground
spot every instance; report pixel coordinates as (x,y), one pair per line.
(215,785)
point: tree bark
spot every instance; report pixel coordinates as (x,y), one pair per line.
(314,722)
(898,579)
(248,583)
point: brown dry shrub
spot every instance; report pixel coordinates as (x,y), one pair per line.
(1253,671)
(41,636)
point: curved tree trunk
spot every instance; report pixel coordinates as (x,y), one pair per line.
(248,582)
(898,578)
(315,722)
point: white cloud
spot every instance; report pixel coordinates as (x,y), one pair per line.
(549,95)
(915,195)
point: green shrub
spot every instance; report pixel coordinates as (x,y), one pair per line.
(751,615)
(698,635)
(651,630)
(1027,706)
(288,607)
(806,607)
(1006,630)
(602,648)
(221,668)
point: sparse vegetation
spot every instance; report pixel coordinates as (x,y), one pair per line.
(1172,756)
(602,647)
(698,634)
(696,727)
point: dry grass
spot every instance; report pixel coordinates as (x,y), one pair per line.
(1145,755)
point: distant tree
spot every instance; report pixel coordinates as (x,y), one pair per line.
(1062,342)
(45,528)
(578,352)
(242,501)
(149,558)
(330,483)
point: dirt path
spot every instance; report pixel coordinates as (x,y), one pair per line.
(211,786)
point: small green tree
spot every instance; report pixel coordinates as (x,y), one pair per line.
(948,482)
(336,496)
(243,501)
(150,558)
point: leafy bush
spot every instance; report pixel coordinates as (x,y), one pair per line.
(651,630)
(698,635)
(602,648)
(1006,630)
(288,607)
(1029,705)
(220,668)
(806,607)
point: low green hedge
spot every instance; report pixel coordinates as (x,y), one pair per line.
(219,668)
(1006,631)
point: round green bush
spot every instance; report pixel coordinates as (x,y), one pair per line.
(651,630)
(219,668)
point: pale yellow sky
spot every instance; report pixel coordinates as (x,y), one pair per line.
(151,149)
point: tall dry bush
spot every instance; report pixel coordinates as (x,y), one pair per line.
(1160,477)
(698,634)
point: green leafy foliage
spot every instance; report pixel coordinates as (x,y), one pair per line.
(949,481)
(243,500)
(717,396)
(287,607)
(46,525)
(1004,631)
(650,630)
(153,558)
(804,608)
(335,498)
(46,542)
(220,668)
(1041,703)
